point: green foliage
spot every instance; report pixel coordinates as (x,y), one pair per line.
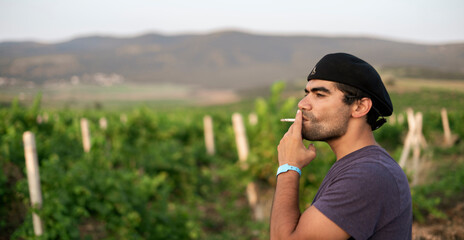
(150,177)
(266,135)
(390,136)
(446,189)
(427,100)
(423,205)
(142,179)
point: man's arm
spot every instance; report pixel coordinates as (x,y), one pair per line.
(285,212)
(286,222)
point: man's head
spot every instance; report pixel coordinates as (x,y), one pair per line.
(325,115)
(357,79)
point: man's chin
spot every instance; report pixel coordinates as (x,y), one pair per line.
(306,136)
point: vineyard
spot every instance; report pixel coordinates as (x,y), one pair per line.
(148,174)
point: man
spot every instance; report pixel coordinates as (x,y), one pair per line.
(365,194)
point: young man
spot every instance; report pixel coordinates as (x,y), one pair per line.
(365,194)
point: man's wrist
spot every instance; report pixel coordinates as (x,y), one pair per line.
(286,168)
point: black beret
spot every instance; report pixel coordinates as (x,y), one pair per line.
(350,70)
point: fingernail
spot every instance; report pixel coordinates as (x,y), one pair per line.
(298,111)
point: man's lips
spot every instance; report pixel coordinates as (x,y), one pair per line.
(305,117)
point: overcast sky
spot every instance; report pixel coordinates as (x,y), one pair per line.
(420,21)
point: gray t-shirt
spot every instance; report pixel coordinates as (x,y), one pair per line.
(366,193)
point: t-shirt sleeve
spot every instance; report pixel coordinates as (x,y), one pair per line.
(358,198)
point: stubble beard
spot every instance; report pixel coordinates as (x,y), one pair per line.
(324,129)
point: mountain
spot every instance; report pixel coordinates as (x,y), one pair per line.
(227,59)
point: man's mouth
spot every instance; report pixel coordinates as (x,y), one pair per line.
(306,116)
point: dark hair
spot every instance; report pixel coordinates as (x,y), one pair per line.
(352,94)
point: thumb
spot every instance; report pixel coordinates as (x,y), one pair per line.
(311,147)
(311,150)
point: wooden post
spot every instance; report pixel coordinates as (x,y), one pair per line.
(253,119)
(39,119)
(42,118)
(240,137)
(209,135)
(103,123)
(242,148)
(253,200)
(85,134)
(446,127)
(414,141)
(409,137)
(33,179)
(417,147)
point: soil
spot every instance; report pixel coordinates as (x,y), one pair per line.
(451,228)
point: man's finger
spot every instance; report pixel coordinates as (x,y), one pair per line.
(297,125)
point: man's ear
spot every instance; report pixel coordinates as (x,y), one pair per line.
(361,107)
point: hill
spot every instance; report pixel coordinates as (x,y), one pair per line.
(227,59)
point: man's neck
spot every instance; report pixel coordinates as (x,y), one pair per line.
(352,141)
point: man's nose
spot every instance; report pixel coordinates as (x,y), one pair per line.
(304,104)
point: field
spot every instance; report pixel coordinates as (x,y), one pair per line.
(148,176)
(122,96)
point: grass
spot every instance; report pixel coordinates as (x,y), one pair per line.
(414,84)
(427,100)
(121,96)
(420,94)
(427,95)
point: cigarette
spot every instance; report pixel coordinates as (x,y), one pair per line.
(287,120)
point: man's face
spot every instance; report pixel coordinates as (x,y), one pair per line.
(325,116)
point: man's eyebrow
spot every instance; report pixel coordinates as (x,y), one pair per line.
(318,89)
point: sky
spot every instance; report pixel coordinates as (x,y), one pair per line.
(417,21)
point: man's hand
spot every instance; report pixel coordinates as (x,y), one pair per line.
(291,148)
(286,221)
